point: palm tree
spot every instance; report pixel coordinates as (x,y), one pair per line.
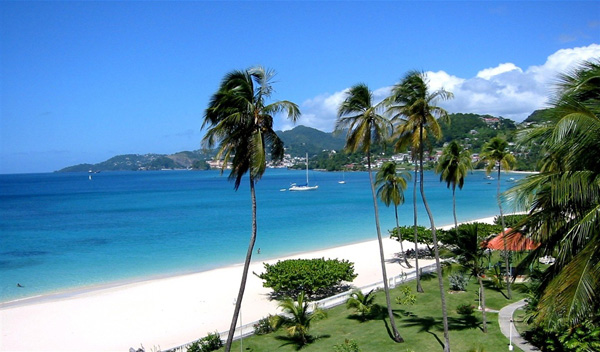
(363,304)
(298,319)
(496,152)
(391,190)
(241,122)
(469,246)
(563,202)
(360,117)
(453,167)
(412,104)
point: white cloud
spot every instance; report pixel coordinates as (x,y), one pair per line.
(494,71)
(505,90)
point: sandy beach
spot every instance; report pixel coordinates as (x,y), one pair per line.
(166,312)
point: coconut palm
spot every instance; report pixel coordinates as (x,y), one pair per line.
(366,126)
(453,167)
(495,152)
(563,202)
(240,122)
(391,190)
(412,106)
(298,317)
(468,244)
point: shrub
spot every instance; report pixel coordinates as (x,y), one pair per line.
(314,277)
(458,282)
(465,309)
(347,346)
(210,342)
(265,325)
(407,298)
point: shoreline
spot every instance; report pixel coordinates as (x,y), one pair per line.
(165,312)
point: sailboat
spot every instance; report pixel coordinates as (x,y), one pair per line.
(306,187)
(343,181)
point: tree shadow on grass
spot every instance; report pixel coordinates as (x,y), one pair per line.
(297,342)
(426,324)
(490,286)
(427,276)
(465,322)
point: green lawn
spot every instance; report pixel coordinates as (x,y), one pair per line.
(420,325)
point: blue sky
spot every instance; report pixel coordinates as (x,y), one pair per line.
(84,81)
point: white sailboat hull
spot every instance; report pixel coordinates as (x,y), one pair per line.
(303,188)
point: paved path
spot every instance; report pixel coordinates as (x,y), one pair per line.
(507,327)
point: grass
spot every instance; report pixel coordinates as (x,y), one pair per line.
(420,325)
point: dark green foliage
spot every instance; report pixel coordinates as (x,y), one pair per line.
(210,342)
(511,220)
(465,309)
(458,281)
(472,131)
(408,234)
(265,325)
(542,116)
(301,140)
(315,277)
(583,337)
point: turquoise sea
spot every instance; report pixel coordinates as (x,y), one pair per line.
(60,231)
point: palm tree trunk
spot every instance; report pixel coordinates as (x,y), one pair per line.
(454,207)
(395,332)
(435,249)
(417,272)
(238,302)
(506,261)
(482,297)
(400,239)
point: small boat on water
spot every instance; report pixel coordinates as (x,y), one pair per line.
(306,187)
(343,181)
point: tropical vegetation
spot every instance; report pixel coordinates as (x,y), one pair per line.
(391,185)
(412,106)
(563,207)
(240,122)
(297,318)
(453,167)
(496,153)
(358,115)
(315,278)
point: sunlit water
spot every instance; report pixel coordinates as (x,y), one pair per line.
(62,231)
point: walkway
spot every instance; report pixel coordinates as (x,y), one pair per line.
(508,328)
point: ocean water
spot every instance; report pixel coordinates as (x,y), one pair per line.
(60,231)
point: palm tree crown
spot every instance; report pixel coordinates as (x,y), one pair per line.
(241,122)
(453,167)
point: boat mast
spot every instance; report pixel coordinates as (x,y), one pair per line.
(306,169)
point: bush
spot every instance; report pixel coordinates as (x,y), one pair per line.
(315,277)
(265,326)
(210,342)
(458,282)
(465,309)
(407,298)
(347,346)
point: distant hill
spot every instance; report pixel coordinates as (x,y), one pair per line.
(302,139)
(541,116)
(471,129)
(134,162)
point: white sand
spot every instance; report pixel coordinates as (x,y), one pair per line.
(164,312)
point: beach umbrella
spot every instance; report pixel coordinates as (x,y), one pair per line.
(515,241)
